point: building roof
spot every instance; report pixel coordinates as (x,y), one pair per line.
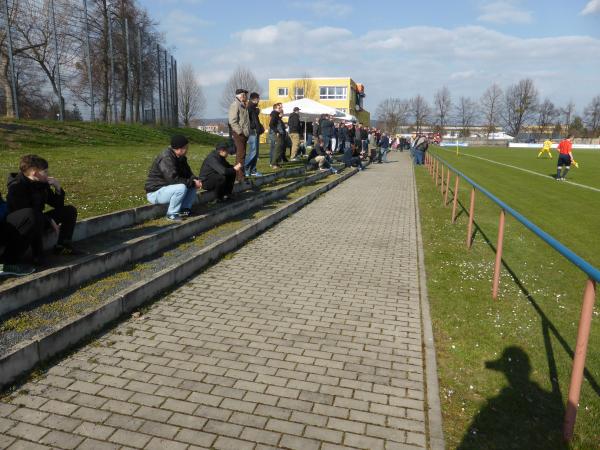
(310,78)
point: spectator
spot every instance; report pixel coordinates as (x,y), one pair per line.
(343,138)
(351,134)
(170,180)
(318,157)
(29,191)
(384,144)
(216,174)
(15,234)
(239,127)
(326,130)
(364,138)
(256,129)
(294,132)
(372,143)
(277,135)
(420,147)
(334,137)
(351,157)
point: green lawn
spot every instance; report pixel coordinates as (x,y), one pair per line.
(101,167)
(504,366)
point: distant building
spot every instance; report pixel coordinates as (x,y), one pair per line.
(209,128)
(343,94)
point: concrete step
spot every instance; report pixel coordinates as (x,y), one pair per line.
(159,275)
(118,248)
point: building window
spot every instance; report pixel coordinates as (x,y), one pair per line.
(282,92)
(299,93)
(333,92)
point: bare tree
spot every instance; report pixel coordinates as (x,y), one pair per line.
(591,115)
(491,102)
(242,78)
(567,113)
(442,103)
(192,102)
(520,102)
(304,87)
(420,111)
(547,115)
(392,113)
(466,113)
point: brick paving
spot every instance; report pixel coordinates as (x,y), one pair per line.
(309,337)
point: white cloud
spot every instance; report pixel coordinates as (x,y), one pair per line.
(592,7)
(504,11)
(324,8)
(403,62)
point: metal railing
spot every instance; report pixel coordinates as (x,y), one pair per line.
(436,167)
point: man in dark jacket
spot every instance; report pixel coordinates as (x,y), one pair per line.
(217,174)
(256,129)
(29,191)
(171,181)
(364,138)
(326,129)
(294,131)
(343,137)
(277,135)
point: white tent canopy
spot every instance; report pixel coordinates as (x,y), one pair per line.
(309,109)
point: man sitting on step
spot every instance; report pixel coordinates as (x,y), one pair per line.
(29,191)
(171,181)
(216,174)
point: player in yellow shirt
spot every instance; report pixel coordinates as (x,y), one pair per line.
(547,148)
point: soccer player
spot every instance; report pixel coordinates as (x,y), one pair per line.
(565,156)
(547,148)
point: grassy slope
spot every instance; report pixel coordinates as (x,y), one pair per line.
(481,407)
(102,167)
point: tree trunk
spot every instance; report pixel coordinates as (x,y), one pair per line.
(6,87)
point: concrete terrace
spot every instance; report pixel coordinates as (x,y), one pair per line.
(315,335)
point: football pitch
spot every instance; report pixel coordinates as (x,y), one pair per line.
(567,210)
(504,366)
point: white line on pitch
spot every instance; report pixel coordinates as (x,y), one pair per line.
(585,186)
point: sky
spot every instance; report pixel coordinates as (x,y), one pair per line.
(396,48)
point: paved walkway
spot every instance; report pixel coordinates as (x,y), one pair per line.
(309,337)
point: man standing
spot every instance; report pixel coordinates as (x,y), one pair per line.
(216,174)
(256,129)
(294,130)
(384,148)
(326,130)
(420,146)
(565,156)
(170,180)
(239,127)
(277,135)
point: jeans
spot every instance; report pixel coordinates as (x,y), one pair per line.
(326,141)
(383,154)
(252,155)
(333,144)
(178,196)
(419,157)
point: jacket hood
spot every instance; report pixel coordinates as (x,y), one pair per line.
(13,178)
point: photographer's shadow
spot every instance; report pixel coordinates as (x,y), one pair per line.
(522,415)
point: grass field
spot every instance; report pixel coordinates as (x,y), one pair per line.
(101,167)
(504,366)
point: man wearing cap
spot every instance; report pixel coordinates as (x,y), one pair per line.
(171,181)
(217,174)
(239,127)
(294,131)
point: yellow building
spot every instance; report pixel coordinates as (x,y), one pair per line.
(343,94)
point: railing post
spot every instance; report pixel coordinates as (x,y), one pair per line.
(455,199)
(447,188)
(437,165)
(585,322)
(442,181)
(471,216)
(498,264)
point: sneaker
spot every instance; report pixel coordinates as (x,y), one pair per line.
(294,159)
(66,249)
(174,218)
(185,212)
(257,174)
(334,170)
(247,174)
(17,270)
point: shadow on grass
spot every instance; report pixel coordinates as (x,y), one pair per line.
(521,416)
